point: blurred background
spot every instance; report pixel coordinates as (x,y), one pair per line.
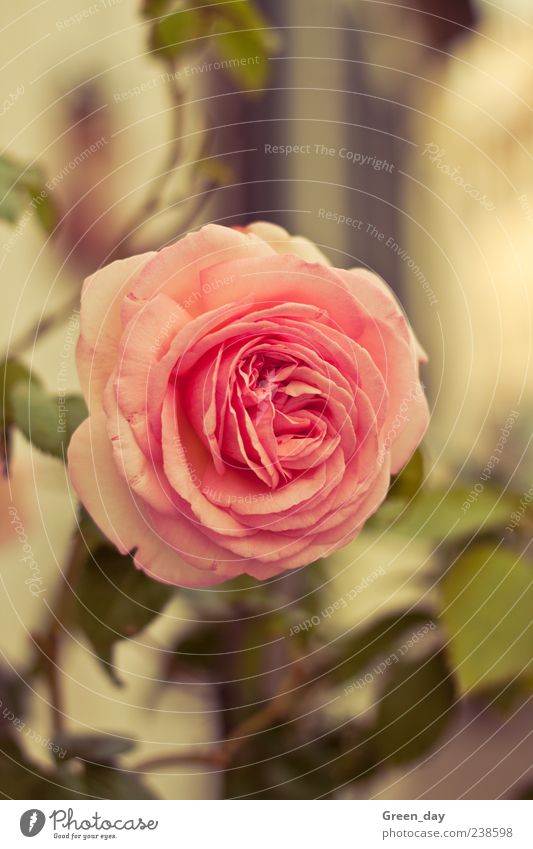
(397,137)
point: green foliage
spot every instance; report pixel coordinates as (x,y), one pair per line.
(104,782)
(22,189)
(447,516)
(244,40)
(20,778)
(354,653)
(91,534)
(302,759)
(97,749)
(12,373)
(48,422)
(115,602)
(176,34)
(414,708)
(199,650)
(237,32)
(487,598)
(408,481)
(154,8)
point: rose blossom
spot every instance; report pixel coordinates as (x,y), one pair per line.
(248,404)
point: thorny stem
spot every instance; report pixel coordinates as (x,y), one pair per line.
(147,208)
(223,754)
(157,185)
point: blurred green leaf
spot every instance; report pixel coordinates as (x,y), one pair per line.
(414,708)
(20,778)
(407,483)
(199,650)
(107,783)
(214,173)
(11,374)
(446,515)
(94,748)
(47,422)
(90,532)
(356,652)
(245,41)
(154,8)
(241,36)
(14,195)
(115,602)
(22,189)
(176,34)
(487,598)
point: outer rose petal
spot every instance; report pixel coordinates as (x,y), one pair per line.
(393,344)
(175,270)
(375,294)
(117,513)
(283,243)
(100,326)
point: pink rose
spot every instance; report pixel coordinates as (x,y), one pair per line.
(248,404)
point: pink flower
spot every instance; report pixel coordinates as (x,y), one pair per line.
(248,404)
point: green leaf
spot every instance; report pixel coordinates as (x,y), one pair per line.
(116,601)
(414,708)
(155,8)
(13,691)
(381,638)
(11,374)
(176,34)
(20,778)
(94,748)
(448,515)
(244,41)
(106,783)
(90,532)
(14,196)
(215,173)
(22,190)
(408,482)
(199,650)
(487,598)
(47,422)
